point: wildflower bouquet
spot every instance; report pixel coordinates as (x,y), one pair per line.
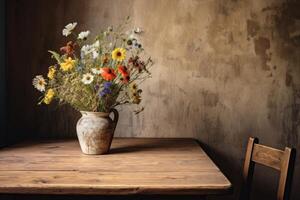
(96,75)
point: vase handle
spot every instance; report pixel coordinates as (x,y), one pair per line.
(116,116)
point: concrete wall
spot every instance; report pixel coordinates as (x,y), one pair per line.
(225,70)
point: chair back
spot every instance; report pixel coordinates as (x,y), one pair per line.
(282,161)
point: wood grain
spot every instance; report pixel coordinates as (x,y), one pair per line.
(134,166)
(267,156)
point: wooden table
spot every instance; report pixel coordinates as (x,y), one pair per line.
(134,166)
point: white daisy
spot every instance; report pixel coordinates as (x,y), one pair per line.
(87,49)
(96,71)
(39,83)
(69,28)
(83,35)
(87,78)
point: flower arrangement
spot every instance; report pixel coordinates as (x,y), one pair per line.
(96,75)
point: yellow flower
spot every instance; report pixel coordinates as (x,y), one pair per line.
(68,64)
(51,72)
(118,54)
(49,96)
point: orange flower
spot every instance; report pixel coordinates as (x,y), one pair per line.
(108,74)
(69,48)
(125,73)
(123,70)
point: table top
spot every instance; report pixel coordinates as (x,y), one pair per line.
(133,166)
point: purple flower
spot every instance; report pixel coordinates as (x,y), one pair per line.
(106,89)
(107,85)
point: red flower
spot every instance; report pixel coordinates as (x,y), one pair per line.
(125,73)
(123,69)
(69,48)
(108,74)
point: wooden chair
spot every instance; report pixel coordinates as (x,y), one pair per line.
(283,161)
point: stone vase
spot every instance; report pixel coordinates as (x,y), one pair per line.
(95,131)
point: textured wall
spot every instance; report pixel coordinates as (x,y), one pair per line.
(225,70)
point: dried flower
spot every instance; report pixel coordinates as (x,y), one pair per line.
(136,63)
(69,48)
(135,94)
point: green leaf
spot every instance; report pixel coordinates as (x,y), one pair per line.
(56,56)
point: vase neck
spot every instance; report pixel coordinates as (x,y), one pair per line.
(94,114)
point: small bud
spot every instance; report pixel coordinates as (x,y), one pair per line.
(129,42)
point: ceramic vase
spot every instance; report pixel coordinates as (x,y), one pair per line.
(95,131)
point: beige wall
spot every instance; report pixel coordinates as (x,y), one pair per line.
(225,70)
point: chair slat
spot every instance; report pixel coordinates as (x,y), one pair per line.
(268,156)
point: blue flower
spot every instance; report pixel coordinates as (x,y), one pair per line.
(107,85)
(106,89)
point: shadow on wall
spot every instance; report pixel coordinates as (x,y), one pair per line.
(2,75)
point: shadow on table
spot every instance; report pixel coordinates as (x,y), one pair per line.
(144,147)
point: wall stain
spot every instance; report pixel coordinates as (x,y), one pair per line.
(210,99)
(287,25)
(236,65)
(252,28)
(288,79)
(291,120)
(262,45)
